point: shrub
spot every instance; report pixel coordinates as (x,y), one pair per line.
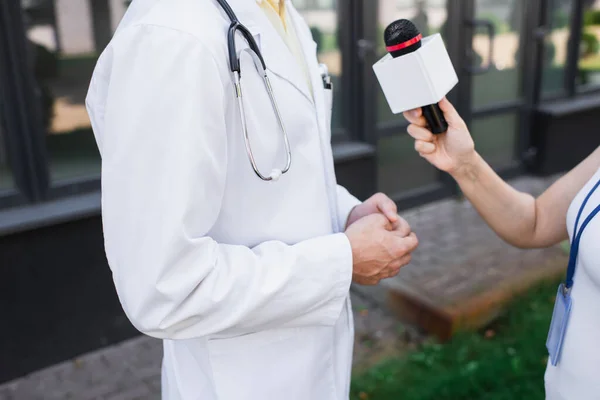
(561,19)
(500,25)
(317,37)
(591,17)
(589,44)
(549,52)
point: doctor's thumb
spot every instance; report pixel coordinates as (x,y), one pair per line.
(388,208)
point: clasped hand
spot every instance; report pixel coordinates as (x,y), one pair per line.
(381,240)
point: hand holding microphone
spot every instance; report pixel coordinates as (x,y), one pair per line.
(450,151)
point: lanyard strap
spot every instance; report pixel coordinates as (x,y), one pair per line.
(577,235)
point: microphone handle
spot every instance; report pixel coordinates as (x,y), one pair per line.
(435,119)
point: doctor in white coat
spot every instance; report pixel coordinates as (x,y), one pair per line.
(246,281)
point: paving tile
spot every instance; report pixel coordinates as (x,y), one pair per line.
(138,392)
(6,394)
(154,384)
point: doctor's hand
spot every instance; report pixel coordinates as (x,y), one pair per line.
(449,151)
(378,250)
(382,204)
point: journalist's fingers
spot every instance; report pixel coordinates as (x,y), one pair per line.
(425,148)
(420,133)
(415,117)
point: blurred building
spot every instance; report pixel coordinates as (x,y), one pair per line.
(529,89)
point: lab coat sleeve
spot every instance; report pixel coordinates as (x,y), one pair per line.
(346,203)
(164,152)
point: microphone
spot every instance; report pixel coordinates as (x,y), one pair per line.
(417,72)
(402,37)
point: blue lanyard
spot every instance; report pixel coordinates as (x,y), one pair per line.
(577,236)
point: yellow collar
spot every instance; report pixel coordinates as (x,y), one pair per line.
(277,5)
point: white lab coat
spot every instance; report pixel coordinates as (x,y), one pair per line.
(246,281)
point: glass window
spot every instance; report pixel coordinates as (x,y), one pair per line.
(589,60)
(503,81)
(555,51)
(6,179)
(315,4)
(322,18)
(65,38)
(400,167)
(495,138)
(428,15)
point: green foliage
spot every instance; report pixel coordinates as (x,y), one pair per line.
(317,36)
(591,17)
(561,19)
(589,44)
(329,43)
(500,25)
(380,40)
(326,42)
(504,363)
(549,52)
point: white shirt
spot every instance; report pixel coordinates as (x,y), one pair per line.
(577,376)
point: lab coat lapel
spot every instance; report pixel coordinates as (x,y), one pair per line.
(310,54)
(281,62)
(309,48)
(278,57)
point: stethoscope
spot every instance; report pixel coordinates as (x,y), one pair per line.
(259,63)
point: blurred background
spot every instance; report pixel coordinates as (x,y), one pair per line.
(529,89)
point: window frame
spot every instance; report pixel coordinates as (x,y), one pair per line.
(21,115)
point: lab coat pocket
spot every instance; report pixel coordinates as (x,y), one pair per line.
(295,363)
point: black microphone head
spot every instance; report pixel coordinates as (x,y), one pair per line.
(400,33)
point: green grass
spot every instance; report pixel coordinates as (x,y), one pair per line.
(510,365)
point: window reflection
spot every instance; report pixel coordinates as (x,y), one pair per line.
(65,38)
(589,61)
(401,168)
(428,15)
(495,138)
(322,18)
(556,45)
(502,82)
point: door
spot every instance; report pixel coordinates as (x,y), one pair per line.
(497,73)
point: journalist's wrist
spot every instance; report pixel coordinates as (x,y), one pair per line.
(468,166)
